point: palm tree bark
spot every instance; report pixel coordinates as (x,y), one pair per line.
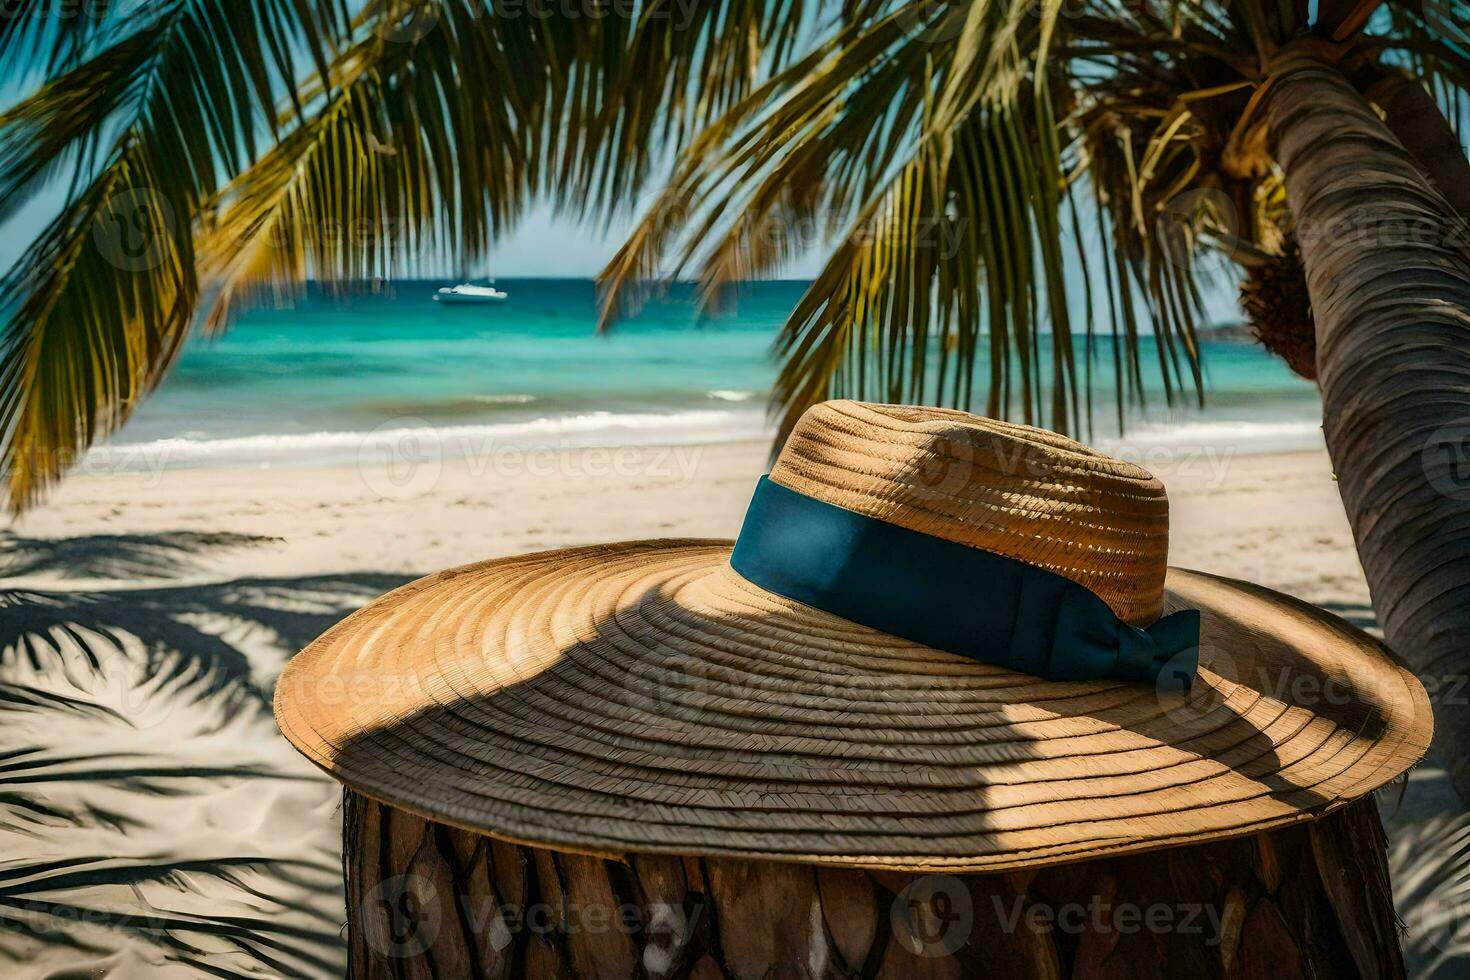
(1421,126)
(427,901)
(1388,271)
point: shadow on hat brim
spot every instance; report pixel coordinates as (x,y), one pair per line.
(643,697)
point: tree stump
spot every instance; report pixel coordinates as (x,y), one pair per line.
(426,900)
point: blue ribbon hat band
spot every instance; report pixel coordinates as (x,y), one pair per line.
(952,597)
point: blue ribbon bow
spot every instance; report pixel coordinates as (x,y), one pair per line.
(952,597)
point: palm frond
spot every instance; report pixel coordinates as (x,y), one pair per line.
(650,79)
(50,34)
(420,142)
(941,153)
(1431,40)
(750,187)
(444,137)
(1023,134)
(98,306)
(411,150)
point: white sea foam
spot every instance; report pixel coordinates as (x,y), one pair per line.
(503,399)
(1151,444)
(727,395)
(1240,436)
(417,436)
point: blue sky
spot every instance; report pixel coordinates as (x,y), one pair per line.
(546,245)
(543,245)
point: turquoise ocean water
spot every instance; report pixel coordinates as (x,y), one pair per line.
(303,384)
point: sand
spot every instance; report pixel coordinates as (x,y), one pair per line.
(153,822)
(1274,519)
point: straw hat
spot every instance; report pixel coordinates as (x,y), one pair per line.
(647,697)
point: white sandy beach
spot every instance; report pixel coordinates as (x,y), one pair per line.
(165,829)
(1275,519)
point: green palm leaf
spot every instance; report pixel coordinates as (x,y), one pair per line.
(1025,140)
(98,306)
(936,148)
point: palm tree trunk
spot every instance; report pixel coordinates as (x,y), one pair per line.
(1421,126)
(1388,271)
(426,901)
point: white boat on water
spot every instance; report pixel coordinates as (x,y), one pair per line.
(469,294)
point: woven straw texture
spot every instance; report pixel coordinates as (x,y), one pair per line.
(644,697)
(1011,489)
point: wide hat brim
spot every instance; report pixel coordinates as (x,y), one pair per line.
(643,697)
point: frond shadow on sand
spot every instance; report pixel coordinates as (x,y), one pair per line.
(116,556)
(152,820)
